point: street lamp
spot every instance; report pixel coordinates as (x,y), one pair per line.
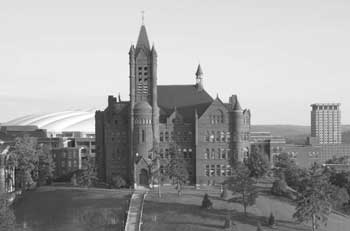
(135,166)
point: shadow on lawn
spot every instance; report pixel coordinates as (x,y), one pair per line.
(167,213)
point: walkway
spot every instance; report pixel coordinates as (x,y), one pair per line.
(134,219)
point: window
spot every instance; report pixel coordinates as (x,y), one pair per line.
(185,153)
(166,136)
(217,136)
(223,170)
(63,164)
(116,122)
(223,154)
(143,136)
(207,136)
(206,154)
(228,170)
(69,164)
(207,170)
(161,138)
(222,136)
(161,153)
(212,170)
(212,136)
(228,137)
(212,154)
(167,153)
(161,169)
(218,170)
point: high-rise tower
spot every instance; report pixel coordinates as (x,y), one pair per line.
(325,123)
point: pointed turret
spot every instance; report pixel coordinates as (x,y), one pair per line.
(199,78)
(154,51)
(142,41)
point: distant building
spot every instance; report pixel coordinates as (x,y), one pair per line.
(7,172)
(177,121)
(325,123)
(10,132)
(265,143)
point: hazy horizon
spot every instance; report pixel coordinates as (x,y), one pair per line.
(277,56)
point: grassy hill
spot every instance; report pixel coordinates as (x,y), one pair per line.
(296,133)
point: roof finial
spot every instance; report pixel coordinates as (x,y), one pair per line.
(143,17)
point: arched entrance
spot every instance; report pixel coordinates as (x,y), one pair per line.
(144,177)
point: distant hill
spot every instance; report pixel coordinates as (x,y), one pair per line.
(296,133)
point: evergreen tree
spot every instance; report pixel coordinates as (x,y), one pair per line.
(243,184)
(206,202)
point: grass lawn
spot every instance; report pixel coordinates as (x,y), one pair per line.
(71,209)
(184,213)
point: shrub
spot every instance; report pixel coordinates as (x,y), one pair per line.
(206,203)
(271,221)
(118,182)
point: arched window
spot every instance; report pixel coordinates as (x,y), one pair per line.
(143,136)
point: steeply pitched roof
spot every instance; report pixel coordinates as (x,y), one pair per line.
(142,41)
(170,96)
(185,98)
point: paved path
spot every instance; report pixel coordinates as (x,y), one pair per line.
(134,219)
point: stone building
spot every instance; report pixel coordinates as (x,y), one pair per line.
(175,121)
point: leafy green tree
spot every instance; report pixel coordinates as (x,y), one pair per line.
(87,176)
(46,165)
(7,217)
(258,163)
(315,200)
(25,158)
(177,170)
(243,184)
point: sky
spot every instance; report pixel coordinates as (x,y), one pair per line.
(278,56)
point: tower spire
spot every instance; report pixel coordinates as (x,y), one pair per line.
(199,78)
(143,17)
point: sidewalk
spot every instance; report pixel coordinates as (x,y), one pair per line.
(133,222)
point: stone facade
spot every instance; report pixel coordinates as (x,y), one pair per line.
(175,121)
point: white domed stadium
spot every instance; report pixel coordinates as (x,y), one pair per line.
(73,120)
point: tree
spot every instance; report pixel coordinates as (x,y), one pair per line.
(25,158)
(177,170)
(243,184)
(314,202)
(46,166)
(7,217)
(157,169)
(258,163)
(87,176)
(206,202)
